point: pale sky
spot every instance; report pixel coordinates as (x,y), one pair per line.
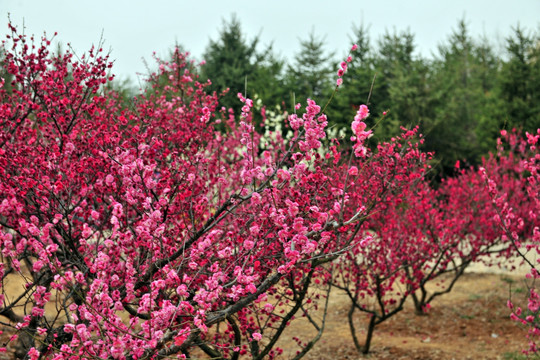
(133,29)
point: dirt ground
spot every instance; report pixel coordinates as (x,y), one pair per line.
(470,322)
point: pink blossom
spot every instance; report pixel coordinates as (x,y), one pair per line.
(336,207)
(38,265)
(358,128)
(256,336)
(268,307)
(255,198)
(283,175)
(251,288)
(37,311)
(109,179)
(181,337)
(353,170)
(295,122)
(94,214)
(254,230)
(362,113)
(365,241)
(69,328)
(33,354)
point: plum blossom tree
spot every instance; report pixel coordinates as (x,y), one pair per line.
(372,272)
(518,222)
(418,233)
(144,232)
(456,221)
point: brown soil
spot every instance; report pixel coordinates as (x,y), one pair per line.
(470,322)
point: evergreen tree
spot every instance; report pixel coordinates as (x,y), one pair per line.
(389,80)
(311,73)
(459,84)
(234,63)
(492,116)
(402,79)
(520,81)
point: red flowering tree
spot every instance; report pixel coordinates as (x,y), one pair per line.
(372,273)
(460,229)
(417,234)
(518,222)
(453,226)
(142,231)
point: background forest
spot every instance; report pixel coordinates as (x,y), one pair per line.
(461,97)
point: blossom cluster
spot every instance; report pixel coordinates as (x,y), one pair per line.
(166,225)
(344,65)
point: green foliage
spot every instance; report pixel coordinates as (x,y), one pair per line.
(519,80)
(514,356)
(389,80)
(403,77)
(460,84)
(234,63)
(310,75)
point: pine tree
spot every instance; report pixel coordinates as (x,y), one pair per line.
(520,81)
(311,73)
(403,80)
(234,63)
(460,82)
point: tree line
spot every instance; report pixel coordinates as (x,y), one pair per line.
(460,98)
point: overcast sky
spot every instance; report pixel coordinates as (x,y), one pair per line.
(133,29)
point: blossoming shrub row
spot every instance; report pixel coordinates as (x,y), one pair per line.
(167,227)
